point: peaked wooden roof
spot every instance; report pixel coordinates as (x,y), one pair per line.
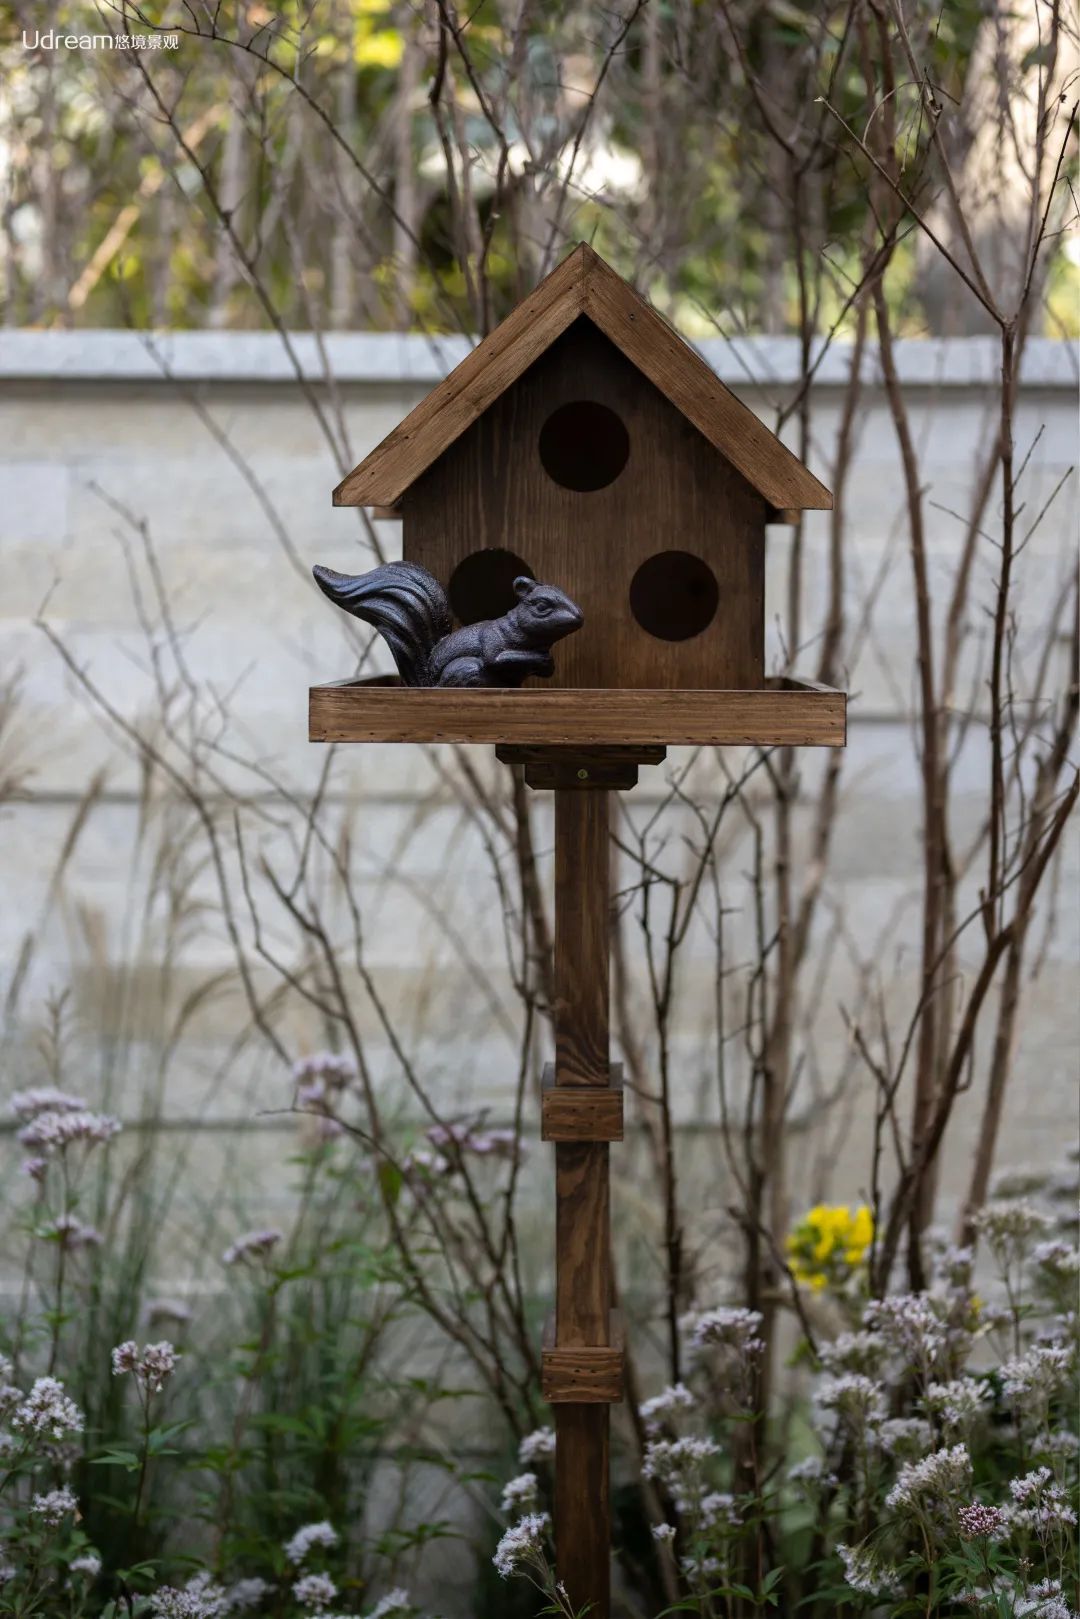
(582,285)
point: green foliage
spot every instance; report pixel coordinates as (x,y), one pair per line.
(276,1404)
(348,165)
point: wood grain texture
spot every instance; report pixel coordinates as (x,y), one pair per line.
(582,1505)
(680,373)
(791,714)
(583,1279)
(574,759)
(582,924)
(546,769)
(384,475)
(582,1376)
(582,284)
(675,493)
(581,1112)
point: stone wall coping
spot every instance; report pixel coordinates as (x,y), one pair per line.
(396,358)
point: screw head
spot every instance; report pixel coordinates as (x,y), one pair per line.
(583,775)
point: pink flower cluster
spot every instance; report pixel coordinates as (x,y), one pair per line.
(57,1129)
(151,1366)
(451,1142)
(979,1522)
(319,1076)
(44,1099)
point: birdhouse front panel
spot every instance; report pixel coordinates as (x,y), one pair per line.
(583,474)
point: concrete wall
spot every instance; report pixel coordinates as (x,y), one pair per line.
(206,454)
(209,447)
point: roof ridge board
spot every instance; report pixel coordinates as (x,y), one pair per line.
(551,306)
(583,284)
(785,484)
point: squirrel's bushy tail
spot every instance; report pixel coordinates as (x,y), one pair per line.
(405,603)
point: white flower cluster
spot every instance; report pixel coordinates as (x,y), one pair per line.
(679,1464)
(538,1446)
(1059,1259)
(730,1328)
(199,1599)
(47,1412)
(676,1397)
(718,1510)
(959,1403)
(88,1563)
(1039,1503)
(311,1535)
(315,1591)
(1009,1227)
(910,1327)
(10,1393)
(520,1494)
(667,1459)
(523,1546)
(864,1571)
(1043,1601)
(1034,1378)
(252,1245)
(54,1507)
(924,1484)
(858,1402)
(953,1267)
(151,1366)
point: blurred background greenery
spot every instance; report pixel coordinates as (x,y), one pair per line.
(419,181)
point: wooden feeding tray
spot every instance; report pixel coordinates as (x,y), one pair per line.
(781,713)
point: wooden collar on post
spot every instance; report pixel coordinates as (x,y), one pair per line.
(582,1113)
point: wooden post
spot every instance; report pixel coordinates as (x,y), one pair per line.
(583,1279)
(582,1113)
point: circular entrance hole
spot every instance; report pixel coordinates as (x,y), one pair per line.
(674,595)
(584,446)
(483,585)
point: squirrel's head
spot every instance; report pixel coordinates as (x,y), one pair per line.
(547,611)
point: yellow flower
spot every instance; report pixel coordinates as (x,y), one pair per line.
(828,1243)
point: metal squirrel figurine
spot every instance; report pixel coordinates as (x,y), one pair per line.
(409,608)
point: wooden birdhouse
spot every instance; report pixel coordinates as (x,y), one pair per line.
(586,444)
